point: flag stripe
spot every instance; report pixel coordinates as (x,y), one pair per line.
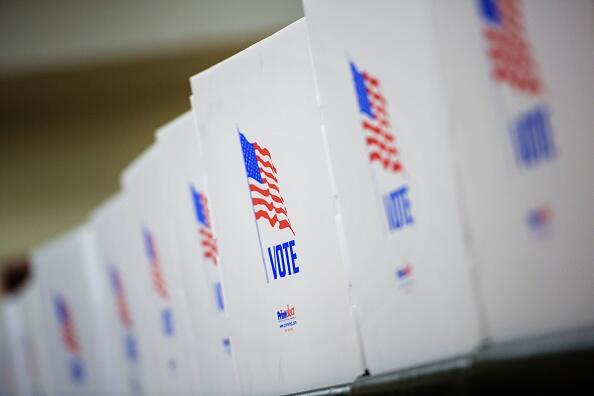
(377,130)
(269,175)
(273,220)
(209,244)
(386,162)
(266,193)
(381,145)
(269,206)
(266,164)
(205,233)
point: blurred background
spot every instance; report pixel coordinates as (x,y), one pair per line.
(85,83)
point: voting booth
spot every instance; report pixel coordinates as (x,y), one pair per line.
(152,224)
(188,206)
(520,86)
(37,359)
(384,196)
(74,317)
(286,290)
(385,120)
(128,278)
(14,348)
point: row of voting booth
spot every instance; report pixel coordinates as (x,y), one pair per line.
(377,186)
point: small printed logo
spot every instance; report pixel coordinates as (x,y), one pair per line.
(404,276)
(286,318)
(273,226)
(540,219)
(76,368)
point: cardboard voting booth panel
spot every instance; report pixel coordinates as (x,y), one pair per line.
(195,242)
(74,315)
(153,227)
(520,91)
(128,279)
(267,172)
(14,370)
(37,359)
(384,114)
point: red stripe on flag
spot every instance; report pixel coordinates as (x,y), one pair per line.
(273,220)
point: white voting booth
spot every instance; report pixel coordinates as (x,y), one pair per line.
(496,82)
(522,133)
(187,204)
(171,334)
(14,348)
(122,261)
(74,317)
(384,114)
(380,185)
(37,359)
(271,197)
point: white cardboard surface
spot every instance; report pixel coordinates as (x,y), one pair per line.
(530,217)
(14,373)
(410,273)
(295,332)
(37,359)
(195,243)
(170,329)
(74,315)
(128,280)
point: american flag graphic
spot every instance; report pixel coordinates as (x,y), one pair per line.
(375,120)
(207,240)
(67,325)
(156,272)
(120,295)
(263,184)
(509,52)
